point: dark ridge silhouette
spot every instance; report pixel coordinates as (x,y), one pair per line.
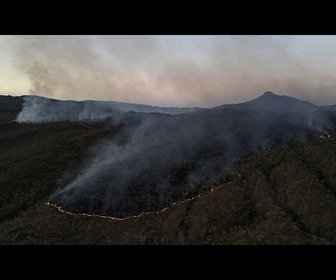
(278,103)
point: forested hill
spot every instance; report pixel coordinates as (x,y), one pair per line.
(281,188)
(282,196)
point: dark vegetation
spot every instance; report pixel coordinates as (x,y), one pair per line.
(282,196)
(285,195)
(10,107)
(33,157)
(165,158)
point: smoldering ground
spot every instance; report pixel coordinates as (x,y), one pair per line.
(157,159)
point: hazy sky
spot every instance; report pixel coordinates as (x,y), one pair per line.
(179,70)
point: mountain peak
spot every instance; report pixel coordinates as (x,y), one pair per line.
(268,93)
(278,103)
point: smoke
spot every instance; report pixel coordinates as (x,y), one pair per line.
(38,109)
(157,159)
(199,71)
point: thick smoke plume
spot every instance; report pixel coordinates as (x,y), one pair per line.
(156,159)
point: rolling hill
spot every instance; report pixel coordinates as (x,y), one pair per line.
(282,196)
(272,167)
(278,103)
(159,159)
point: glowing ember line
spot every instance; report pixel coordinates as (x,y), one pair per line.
(60,209)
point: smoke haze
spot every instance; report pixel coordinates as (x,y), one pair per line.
(38,109)
(187,71)
(153,160)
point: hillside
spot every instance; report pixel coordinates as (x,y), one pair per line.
(283,196)
(273,170)
(278,103)
(33,158)
(10,107)
(165,158)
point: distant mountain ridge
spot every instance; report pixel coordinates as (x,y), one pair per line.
(276,103)
(40,109)
(123,106)
(281,103)
(11,106)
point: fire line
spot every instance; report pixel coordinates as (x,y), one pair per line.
(60,209)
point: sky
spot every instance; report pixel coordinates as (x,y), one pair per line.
(179,70)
